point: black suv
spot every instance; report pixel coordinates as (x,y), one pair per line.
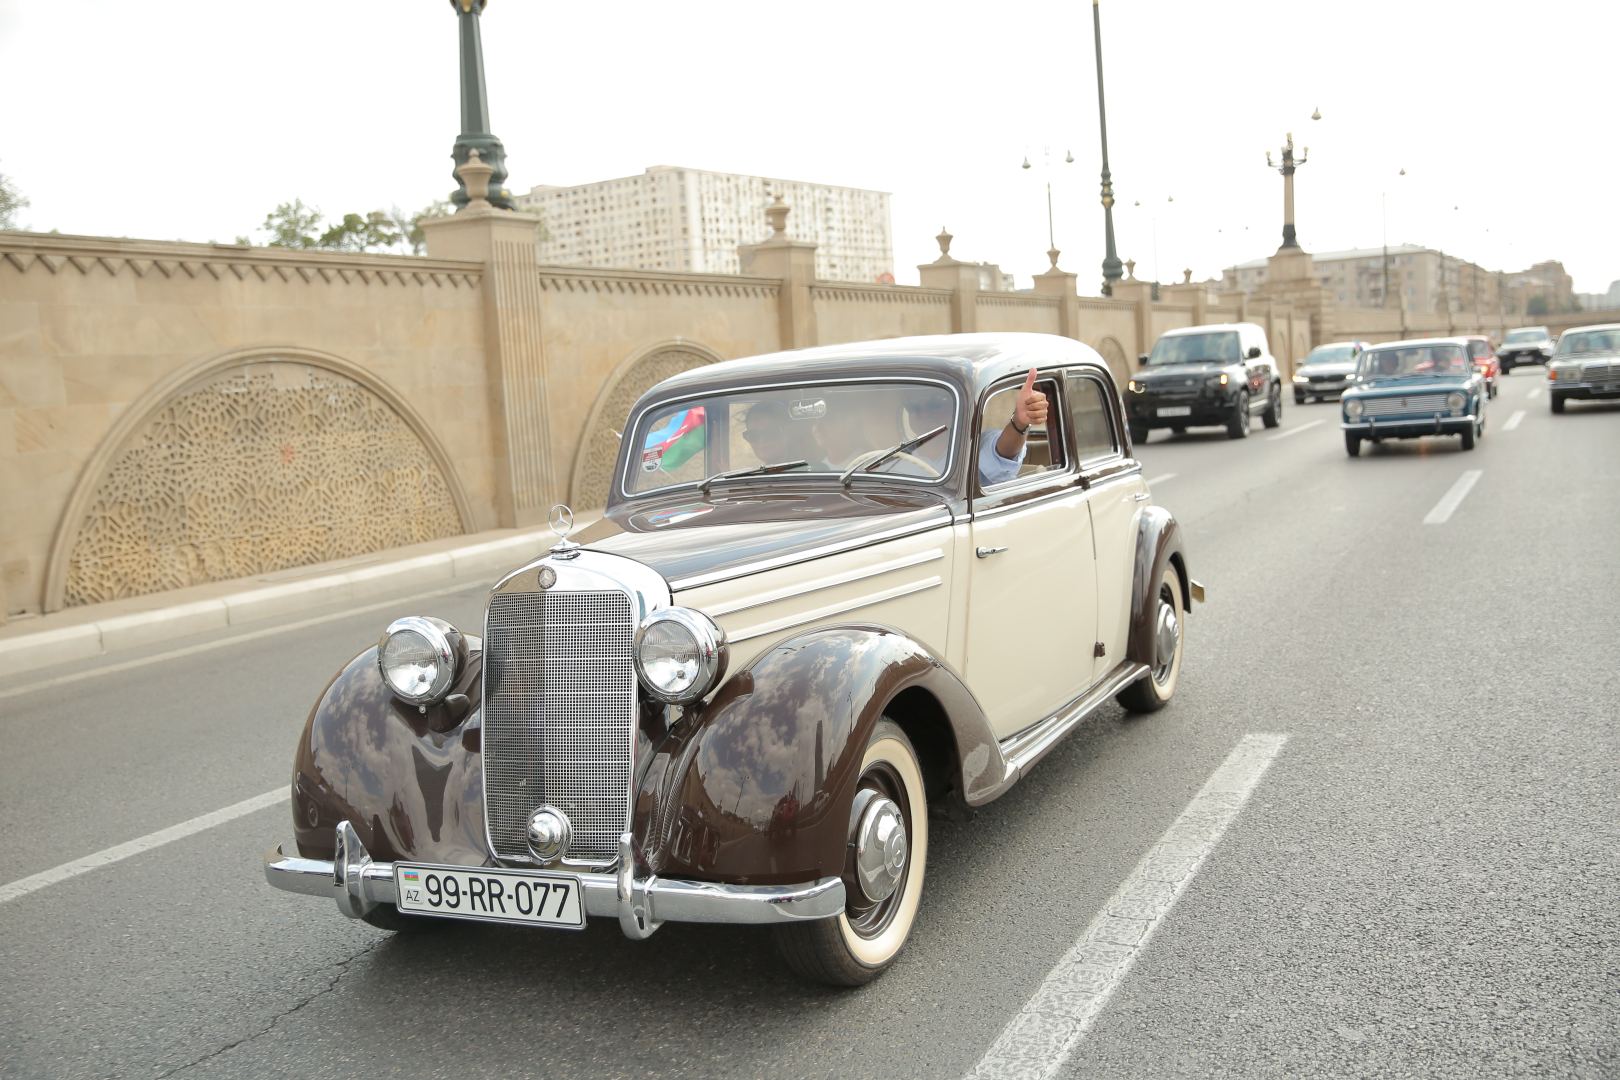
(1205,376)
(1526,345)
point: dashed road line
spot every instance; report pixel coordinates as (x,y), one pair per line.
(1167,477)
(1514,420)
(1535,392)
(1293,431)
(108,856)
(1453,498)
(1038,1041)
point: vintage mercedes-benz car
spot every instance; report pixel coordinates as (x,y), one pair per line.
(831,589)
(1408,389)
(1586,365)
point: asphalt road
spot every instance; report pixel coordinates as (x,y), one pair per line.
(1426,882)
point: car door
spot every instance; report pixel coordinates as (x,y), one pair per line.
(1258,370)
(1032,612)
(1115,496)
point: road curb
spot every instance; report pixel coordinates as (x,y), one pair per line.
(84,633)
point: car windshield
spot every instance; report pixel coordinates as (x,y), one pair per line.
(1193,348)
(1589,341)
(1331,354)
(1524,335)
(1414,361)
(829,426)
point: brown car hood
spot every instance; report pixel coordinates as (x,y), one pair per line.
(713,537)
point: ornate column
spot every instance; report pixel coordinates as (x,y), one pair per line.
(960,277)
(793,262)
(1287,169)
(475,133)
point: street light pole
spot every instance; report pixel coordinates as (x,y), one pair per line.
(1112,269)
(1287,168)
(1052,251)
(475,133)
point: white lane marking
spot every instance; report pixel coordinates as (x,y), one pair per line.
(1535,392)
(205,646)
(1166,478)
(1453,498)
(1037,1042)
(1513,421)
(1293,430)
(35,882)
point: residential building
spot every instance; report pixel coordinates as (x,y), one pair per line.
(671,218)
(1426,279)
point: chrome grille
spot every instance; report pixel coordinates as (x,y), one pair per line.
(1601,372)
(559,718)
(1403,405)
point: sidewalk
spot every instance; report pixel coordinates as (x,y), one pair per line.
(80,633)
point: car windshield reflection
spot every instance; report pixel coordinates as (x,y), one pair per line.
(1415,362)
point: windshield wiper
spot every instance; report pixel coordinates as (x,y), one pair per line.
(902,448)
(757,470)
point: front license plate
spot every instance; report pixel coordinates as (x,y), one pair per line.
(512,896)
(1176,410)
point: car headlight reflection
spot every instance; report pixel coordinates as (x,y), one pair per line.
(420,658)
(1352,408)
(1456,401)
(680,654)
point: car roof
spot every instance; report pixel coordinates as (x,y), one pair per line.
(1184,330)
(972,361)
(1413,343)
(1594,326)
(1334,344)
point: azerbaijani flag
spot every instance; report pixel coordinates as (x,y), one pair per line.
(675,440)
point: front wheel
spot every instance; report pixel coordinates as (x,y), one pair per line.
(1139,433)
(1352,444)
(1299,399)
(1557,401)
(1237,425)
(1468,437)
(1273,414)
(883,872)
(1153,691)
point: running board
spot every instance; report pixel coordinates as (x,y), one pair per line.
(1024,749)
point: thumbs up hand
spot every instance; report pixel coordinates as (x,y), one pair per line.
(1030,409)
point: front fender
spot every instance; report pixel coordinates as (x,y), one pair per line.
(755,786)
(411,783)
(1158,544)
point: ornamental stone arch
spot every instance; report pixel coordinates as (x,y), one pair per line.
(599,448)
(1113,352)
(249,462)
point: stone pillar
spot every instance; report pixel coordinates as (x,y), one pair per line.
(793,262)
(961,278)
(527,480)
(1061,284)
(1197,296)
(1139,294)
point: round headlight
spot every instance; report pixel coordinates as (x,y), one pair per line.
(1352,408)
(1455,401)
(680,654)
(420,658)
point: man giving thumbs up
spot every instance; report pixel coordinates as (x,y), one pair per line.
(1000,453)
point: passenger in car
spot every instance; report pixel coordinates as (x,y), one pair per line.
(774,437)
(999,451)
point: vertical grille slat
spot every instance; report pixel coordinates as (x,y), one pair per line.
(1408,403)
(559,717)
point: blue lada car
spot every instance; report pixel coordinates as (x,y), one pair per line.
(1409,389)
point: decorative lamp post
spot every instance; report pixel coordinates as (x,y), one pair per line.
(475,133)
(1112,268)
(1052,251)
(1287,167)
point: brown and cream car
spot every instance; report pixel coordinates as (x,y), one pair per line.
(830,589)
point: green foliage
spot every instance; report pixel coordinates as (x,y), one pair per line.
(375,231)
(11,201)
(294,225)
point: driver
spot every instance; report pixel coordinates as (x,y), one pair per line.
(775,438)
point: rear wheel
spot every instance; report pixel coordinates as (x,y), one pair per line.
(883,874)
(1153,691)
(1273,414)
(1237,424)
(1352,444)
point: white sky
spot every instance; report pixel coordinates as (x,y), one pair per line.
(191,119)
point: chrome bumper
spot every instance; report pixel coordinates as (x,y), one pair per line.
(641,905)
(1428,425)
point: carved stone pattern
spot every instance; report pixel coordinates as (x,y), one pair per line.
(1113,352)
(1003,300)
(600,450)
(24,261)
(656,286)
(265,467)
(881,294)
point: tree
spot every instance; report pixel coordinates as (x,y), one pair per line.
(293,225)
(356,233)
(11,201)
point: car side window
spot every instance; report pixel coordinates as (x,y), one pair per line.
(1043,449)
(1094,435)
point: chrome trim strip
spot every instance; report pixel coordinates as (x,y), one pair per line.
(791,622)
(658,900)
(790,591)
(1424,422)
(1070,490)
(950,463)
(1030,745)
(699,580)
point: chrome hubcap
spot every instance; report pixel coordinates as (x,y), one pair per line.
(1167,637)
(880,849)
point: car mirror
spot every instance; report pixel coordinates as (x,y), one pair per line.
(1254,352)
(1142,359)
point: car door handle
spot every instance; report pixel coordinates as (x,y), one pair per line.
(1143,496)
(986,552)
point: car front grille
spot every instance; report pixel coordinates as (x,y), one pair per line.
(559,718)
(1603,372)
(1404,405)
